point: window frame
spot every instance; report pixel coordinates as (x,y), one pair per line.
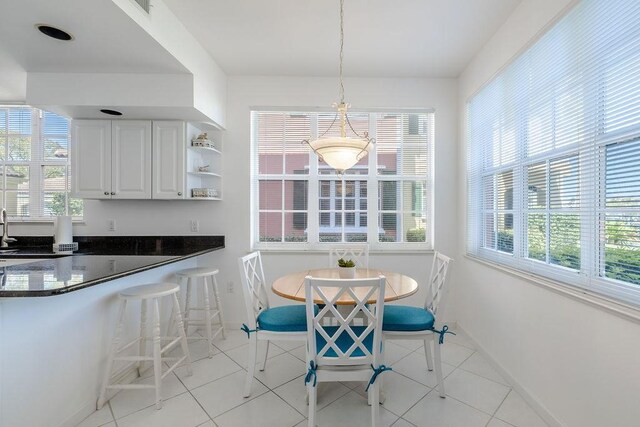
(36,165)
(313,177)
(590,150)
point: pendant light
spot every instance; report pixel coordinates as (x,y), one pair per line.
(341,152)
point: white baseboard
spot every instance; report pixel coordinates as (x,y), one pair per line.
(535,404)
(233,326)
(89,406)
(87,409)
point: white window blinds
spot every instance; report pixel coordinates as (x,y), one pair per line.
(34,165)
(554,154)
(384,200)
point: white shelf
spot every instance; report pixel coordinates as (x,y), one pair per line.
(205,174)
(206,149)
(201,156)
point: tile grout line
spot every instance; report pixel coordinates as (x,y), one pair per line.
(225,376)
(112,414)
(287,403)
(318,409)
(505,398)
(201,407)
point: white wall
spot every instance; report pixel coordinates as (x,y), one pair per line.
(579,363)
(209,81)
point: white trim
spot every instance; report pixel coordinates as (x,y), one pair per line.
(302,110)
(535,404)
(619,308)
(373,211)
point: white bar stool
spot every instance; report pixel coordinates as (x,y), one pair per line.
(212,329)
(147,294)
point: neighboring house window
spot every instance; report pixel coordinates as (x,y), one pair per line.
(554,155)
(385,199)
(34,164)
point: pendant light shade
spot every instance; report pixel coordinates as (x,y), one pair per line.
(341,152)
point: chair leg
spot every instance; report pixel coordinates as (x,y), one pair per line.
(143,336)
(251,366)
(313,397)
(216,294)
(112,354)
(381,377)
(438,363)
(374,397)
(266,355)
(207,316)
(157,362)
(427,354)
(183,336)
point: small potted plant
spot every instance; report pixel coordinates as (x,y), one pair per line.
(347,269)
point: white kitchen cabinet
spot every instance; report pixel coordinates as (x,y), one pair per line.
(131,159)
(168,166)
(111,159)
(144,159)
(91,159)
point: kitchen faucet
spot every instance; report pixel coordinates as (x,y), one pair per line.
(5,231)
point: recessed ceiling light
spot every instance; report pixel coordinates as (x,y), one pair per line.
(111,112)
(53,32)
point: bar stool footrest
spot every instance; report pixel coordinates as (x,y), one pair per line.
(130,386)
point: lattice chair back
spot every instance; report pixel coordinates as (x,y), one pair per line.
(358,253)
(345,344)
(437,292)
(253,286)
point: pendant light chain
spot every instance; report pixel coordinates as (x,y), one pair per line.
(341,49)
(341,152)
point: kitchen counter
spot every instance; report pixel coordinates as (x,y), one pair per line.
(53,350)
(99,259)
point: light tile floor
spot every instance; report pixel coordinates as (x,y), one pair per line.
(476,394)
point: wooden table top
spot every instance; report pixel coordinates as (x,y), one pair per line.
(291,286)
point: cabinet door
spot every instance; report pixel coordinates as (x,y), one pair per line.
(168,160)
(131,159)
(91,159)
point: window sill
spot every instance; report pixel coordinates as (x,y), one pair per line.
(41,221)
(289,251)
(593,299)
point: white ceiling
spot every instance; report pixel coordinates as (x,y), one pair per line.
(106,41)
(383,38)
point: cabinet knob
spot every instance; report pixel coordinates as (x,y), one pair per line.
(179,193)
(113,193)
(106,193)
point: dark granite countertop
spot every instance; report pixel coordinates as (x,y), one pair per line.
(98,260)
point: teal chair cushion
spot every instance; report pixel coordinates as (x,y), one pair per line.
(286,318)
(403,318)
(344,341)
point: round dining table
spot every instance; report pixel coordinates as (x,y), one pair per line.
(397,285)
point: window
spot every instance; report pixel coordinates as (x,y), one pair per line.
(34,164)
(385,199)
(554,155)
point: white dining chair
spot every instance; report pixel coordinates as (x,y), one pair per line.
(344,352)
(359,253)
(403,322)
(266,323)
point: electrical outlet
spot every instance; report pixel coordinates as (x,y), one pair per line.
(230,286)
(195,225)
(112,225)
